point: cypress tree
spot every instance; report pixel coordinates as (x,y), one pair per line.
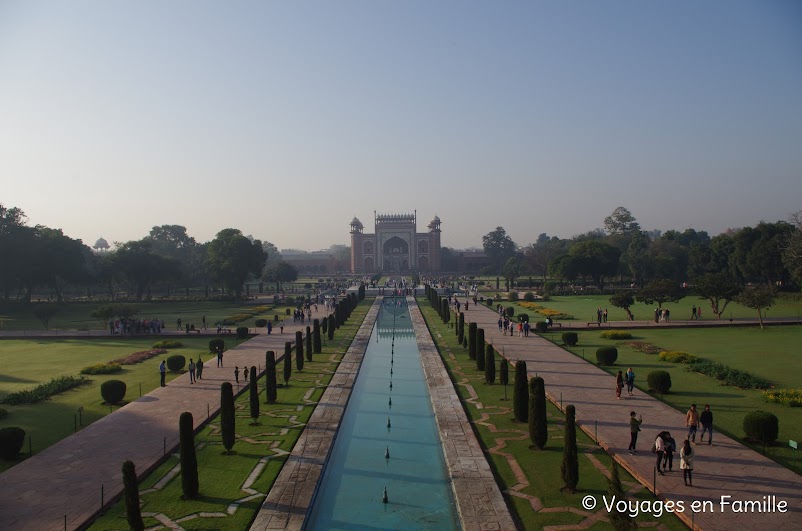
(227,416)
(480,349)
(271,386)
(338,315)
(570,466)
(133,512)
(503,372)
(472,341)
(287,362)
(308,343)
(318,345)
(461,330)
(520,393)
(299,351)
(331,326)
(621,521)
(254,397)
(490,364)
(538,429)
(324,325)
(189,461)
(444,309)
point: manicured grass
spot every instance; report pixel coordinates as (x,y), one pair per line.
(542,468)
(27,363)
(222,476)
(772,353)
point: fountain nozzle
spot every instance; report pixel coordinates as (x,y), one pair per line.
(385,499)
(387,452)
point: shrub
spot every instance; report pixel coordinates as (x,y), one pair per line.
(253,397)
(189,460)
(489,302)
(215,343)
(44,391)
(513,296)
(102,368)
(541,327)
(480,349)
(786,397)
(570,338)
(677,356)
(762,426)
(472,327)
(659,381)
(271,386)
(168,343)
(260,323)
(3,413)
(275,318)
(227,414)
(728,375)
(616,334)
(242,332)
(529,296)
(509,311)
(520,393)
(11,440)
(133,513)
(538,425)
(570,465)
(523,317)
(606,355)
(287,311)
(490,364)
(176,362)
(113,391)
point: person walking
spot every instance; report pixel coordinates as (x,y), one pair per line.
(693,312)
(236,374)
(269,327)
(191,371)
(659,449)
(706,418)
(634,428)
(500,324)
(692,422)
(630,378)
(204,323)
(671,447)
(686,463)
(219,357)
(199,368)
(604,315)
(163,372)
(619,384)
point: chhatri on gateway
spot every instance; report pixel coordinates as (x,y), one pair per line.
(395,246)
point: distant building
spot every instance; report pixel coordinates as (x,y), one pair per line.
(101,245)
(395,245)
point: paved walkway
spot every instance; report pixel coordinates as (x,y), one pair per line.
(726,469)
(66,478)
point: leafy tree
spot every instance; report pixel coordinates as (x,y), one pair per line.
(758,252)
(570,465)
(228,417)
(624,300)
(757,298)
(512,269)
(594,259)
(172,241)
(621,221)
(659,291)
(540,254)
(718,288)
(231,258)
(133,513)
(142,267)
(15,239)
(792,249)
(253,397)
(45,312)
(668,258)
(538,427)
(637,258)
(520,393)
(498,246)
(189,461)
(60,260)
(280,272)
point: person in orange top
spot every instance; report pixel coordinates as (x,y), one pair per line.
(692,421)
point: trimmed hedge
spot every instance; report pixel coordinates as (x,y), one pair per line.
(242,332)
(541,327)
(260,323)
(570,338)
(176,362)
(216,342)
(762,426)
(616,334)
(44,391)
(523,317)
(168,343)
(728,375)
(606,355)
(677,356)
(659,381)
(509,311)
(102,368)
(529,296)
(11,440)
(113,391)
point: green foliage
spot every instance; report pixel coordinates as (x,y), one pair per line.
(762,426)
(133,513)
(472,341)
(659,381)
(520,393)
(11,440)
(606,355)
(728,375)
(538,427)
(176,362)
(287,312)
(509,311)
(242,332)
(523,317)
(275,318)
(513,296)
(570,464)
(102,368)
(541,327)
(139,357)
(253,396)
(44,391)
(480,349)
(529,296)
(44,313)
(504,372)
(490,364)
(299,351)
(308,345)
(287,362)
(786,397)
(570,338)
(616,334)
(168,343)
(461,328)
(271,386)
(260,323)
(216,343)
(677,356)
(113,391)
(227,415)
(620,520)
(317,343)
(189,461)
(659,292)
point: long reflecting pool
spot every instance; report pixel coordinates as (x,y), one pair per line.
(390,389)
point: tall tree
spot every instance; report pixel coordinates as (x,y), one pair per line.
(520,393)
(621,221)
(133,513)
(758,253)
(231,258)
(287,362)
(758,298)
(792,249)
(189,461)
(498,246)
(271,386)
(280,272)
(228,416)
(538,428)
(142,267)
(253,397)
(718,288)
(540,254)
(570,465)
(637,258)
(490,364)
(594,259)
(620,520)
(659,291)
(299,351)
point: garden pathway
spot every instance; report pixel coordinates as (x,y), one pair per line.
(727,468)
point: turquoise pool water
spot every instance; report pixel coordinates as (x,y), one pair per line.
(415,475)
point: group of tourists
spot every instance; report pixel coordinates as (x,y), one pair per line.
(601,315)
(135,326)
(662,315)
(627,380)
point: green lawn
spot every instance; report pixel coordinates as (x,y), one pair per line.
(772,353)
(542,468)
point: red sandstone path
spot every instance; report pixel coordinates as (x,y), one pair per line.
(727,468)
(66,478)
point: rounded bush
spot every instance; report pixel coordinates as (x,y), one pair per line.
(570,338)
(242,332)
(168,343)
(606,355)
(616,334)
(489,302)
(113,391)
(176,362)
(529,296)
(523,317)
(541,327)
(762,426)
(659,381)
(509,311)
(275,318)
(11,440)
(216,343)
(513,296)
(260,323)
(287,311)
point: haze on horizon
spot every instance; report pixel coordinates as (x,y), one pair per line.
(287,119)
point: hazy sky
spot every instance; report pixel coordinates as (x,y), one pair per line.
(286,119)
